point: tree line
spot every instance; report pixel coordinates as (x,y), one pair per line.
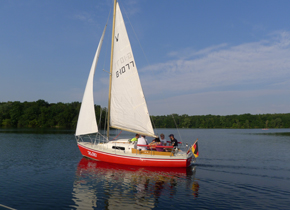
(41,114)
(229,121)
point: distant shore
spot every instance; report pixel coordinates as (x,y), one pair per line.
(41,114)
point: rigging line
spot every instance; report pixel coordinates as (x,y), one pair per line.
(154,126)
(7,207)
(136,36)
(105,120)
(177,128)
(107,42)
(123,9)
(100,120)
(117,136)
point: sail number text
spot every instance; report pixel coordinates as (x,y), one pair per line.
(124,68)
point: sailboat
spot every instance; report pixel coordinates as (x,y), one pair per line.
(127,110)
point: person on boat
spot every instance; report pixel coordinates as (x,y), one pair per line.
(174,142)
(153,142)
(135,139)
(162,139)
(157,142)
(142,141)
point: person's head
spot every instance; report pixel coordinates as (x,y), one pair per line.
(157,140)
(143,136)
(137,135)
(171,136)
(162,136)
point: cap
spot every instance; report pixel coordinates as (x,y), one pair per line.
(171,135)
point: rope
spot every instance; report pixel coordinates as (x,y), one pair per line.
(100,120)
(7,207)
(123,9)
(117,136)
(177,128)
(105,119)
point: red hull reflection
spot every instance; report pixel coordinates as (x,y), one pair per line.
(89,164)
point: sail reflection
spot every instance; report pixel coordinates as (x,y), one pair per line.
(114,186)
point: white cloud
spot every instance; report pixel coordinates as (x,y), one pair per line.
(262,62)
(224,103)
(254,69)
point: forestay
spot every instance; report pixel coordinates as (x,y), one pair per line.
(128,106)
(87,122)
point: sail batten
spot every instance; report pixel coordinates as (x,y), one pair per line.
(87,123)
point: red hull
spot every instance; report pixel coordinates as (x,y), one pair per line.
(89,164)
(135,161)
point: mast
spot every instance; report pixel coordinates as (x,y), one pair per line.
(111,69)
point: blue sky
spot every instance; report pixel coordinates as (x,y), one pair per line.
(201,57)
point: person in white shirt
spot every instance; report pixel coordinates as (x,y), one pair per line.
(162,139)
(142,141)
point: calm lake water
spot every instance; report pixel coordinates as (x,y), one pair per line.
(236,169)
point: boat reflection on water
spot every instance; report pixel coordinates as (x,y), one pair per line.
(114,186)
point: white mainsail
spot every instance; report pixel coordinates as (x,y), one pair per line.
(128,106)
(87,122)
